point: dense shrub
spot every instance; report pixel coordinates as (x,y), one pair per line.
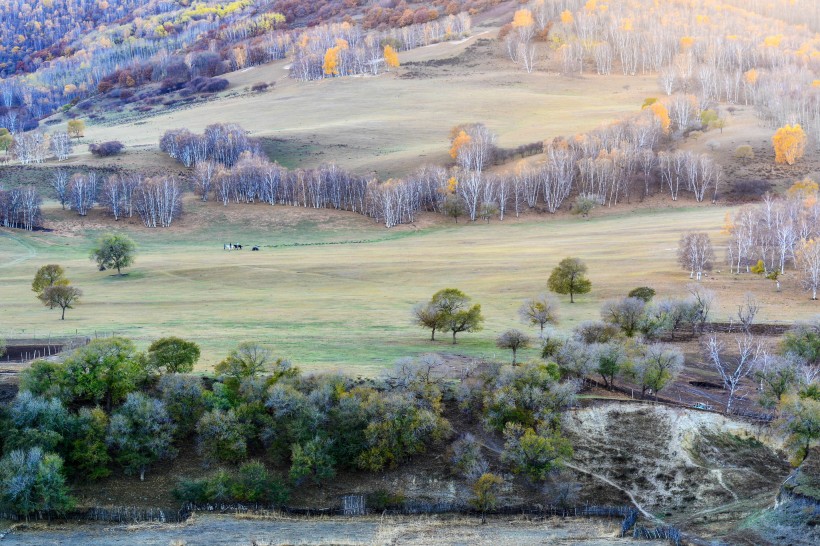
(644,293)
(744,151)
(208,85)
(106,149)
(258,87)
(252,483)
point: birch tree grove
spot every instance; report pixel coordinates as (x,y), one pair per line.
(779,233)
(158,201)
(20,208)
(83,192)
(61,145)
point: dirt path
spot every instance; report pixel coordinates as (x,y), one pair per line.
(641,509)
(427,531)
(32,252)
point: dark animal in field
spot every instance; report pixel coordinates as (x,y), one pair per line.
(255,248)
(238,247)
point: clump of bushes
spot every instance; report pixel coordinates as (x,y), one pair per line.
(744,151)
(106,149)
(644,293)
(208,85)
(383,500)
(251,483)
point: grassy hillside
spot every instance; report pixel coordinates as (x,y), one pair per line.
(332,289)
(391,123)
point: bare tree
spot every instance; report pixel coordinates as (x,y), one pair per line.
(702,301)
(512,339)
(747,311)
(734,369)
(59,181)
(626,313)
(540,311)
(695,253)
(808,263)
(83,192)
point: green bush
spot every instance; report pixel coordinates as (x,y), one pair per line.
(644,293)
(382,499)
(253,483)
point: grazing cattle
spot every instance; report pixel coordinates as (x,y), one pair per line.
(227,246)
(238,247)
(255,248)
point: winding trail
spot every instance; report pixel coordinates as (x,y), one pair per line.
(641,509)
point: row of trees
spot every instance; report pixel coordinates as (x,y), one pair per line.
(157,200)
(602,167)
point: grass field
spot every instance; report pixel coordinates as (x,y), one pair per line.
(334,291)
(389,124)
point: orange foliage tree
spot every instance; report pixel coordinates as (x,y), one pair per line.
(662,114)
(789,144)
(460,140)
(391,58)
(523,18)
(331,64)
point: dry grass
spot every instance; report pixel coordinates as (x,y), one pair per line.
(393,122)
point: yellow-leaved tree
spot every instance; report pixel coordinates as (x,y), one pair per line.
(523,18)
(76,128)
(460,140)
(391,58)
(331,64)
(789,144)
(662,114)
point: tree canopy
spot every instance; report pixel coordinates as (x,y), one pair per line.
(569,277)
(174,354)
(114,251)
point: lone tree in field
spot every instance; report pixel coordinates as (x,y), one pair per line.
(174,354)
(114,251)
(540,311)
(449,309)
(789,144)
(47,276)
(513,340)
(695,253)
(569,277)
(62,296)
(76,128)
